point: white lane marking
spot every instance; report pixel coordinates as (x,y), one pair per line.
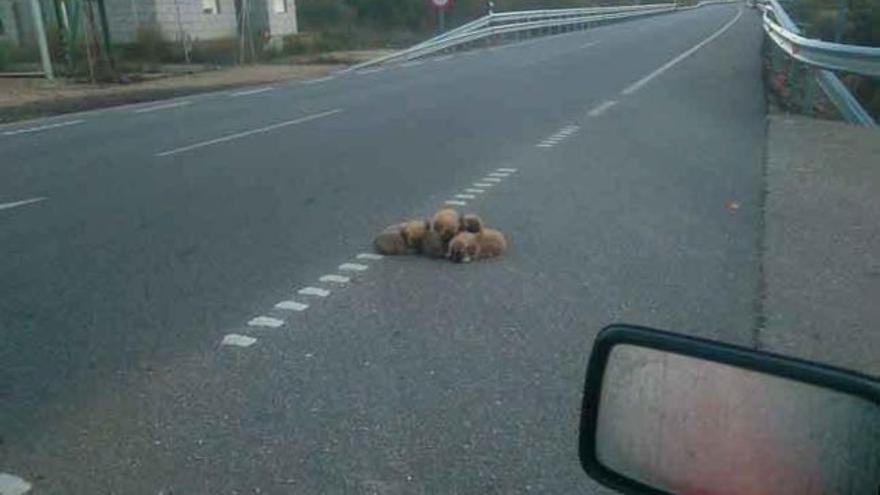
(601,108)
(16,204)
(313,291)
(491,179)
(163,106)
(13,485)
(444,57)
(545,145)
(370,71)
(369,256)
(336,279)
(252,91)
(455,202)
(476,191)
(318,80)
(591,43)
(238,340)
(43,127)
(632,88)
(483,184)
(499,174)
(353,267)
(465,196)
(292,306)
(412,64)
(265,321)
(508,170)
(240,135)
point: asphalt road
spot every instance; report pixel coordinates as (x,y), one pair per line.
(167,226)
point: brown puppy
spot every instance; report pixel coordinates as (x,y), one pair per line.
(413,233)
(471,223)
(446,223)
(391,241)
(490,243)
(463,248)
(433,245)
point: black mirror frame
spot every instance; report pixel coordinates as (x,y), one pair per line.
(773,364)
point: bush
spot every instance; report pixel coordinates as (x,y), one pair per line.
(5,54)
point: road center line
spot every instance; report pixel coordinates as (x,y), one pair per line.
(252,91)
(238,340)
(601,108)
(369,256)
(292,306)
(475,191)
(265,321)
(337,279)
(465,196)
(16,204)
(353,267)
(239,135)
(43,127)
(508,170)
(632,88)
(163,107)
(313,291)
(483,184)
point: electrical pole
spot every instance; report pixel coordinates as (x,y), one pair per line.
(40,30)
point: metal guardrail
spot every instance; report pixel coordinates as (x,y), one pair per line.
(520,21)
(825,56)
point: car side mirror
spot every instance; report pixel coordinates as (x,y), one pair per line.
(670,414)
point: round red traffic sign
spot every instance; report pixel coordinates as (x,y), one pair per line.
(441,4)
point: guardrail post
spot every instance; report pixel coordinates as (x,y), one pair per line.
(809,90)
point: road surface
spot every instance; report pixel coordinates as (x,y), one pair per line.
(627,164)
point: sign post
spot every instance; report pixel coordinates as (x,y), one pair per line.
(441,6)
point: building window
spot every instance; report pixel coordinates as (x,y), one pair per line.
(280,6)
(211,6)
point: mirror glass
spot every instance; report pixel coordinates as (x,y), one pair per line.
(694,427)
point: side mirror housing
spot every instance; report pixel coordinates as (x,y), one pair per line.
(670,414)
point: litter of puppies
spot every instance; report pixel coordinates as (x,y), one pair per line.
(459,238)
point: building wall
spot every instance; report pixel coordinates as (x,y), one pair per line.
(190,19)
(282,24)
(10,24)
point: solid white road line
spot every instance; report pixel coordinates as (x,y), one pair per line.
(237,340)
(318,80)
(455,202)
(476,191)
(313,291)
(43,127)
(483,184)
(353,267)
(252,91)
(265,321)
(163,107)
(465,196)
(292,306)
(601,108)
(508,170)
(240,135)
(369,256)
(16,204)
(336,279)
(632,88)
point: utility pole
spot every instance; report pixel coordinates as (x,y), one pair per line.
(840,25)
(40,30)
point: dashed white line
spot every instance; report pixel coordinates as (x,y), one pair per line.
(465,196)
(252,91)
(601,108)
(632,88)
(475,191)
(313,291)
(499,174)
(455,202)
(412,64)
(265,321)
(353,267)
(292,306)
(43,127)
(16,204)
(545,145)
(165,106)
(508,170)
(13,485)
(239,135)
(237,340)
(318,80)
(491,179)
(369,256)
(483,184)
(336,279)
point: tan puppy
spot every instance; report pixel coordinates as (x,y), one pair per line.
(490,243)
(446,223)
(413,233)
(471,223)
(391,241)
(463,248)
(433,245)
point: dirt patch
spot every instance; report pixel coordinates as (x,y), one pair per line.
(30,98)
